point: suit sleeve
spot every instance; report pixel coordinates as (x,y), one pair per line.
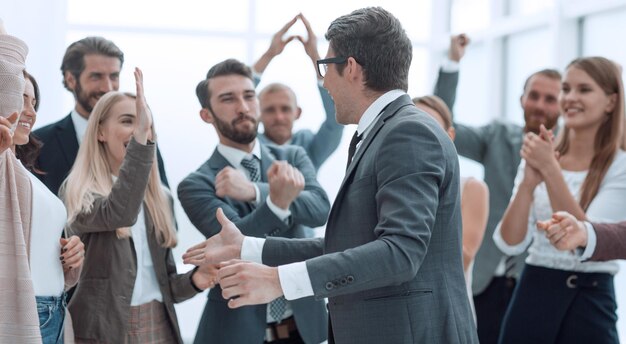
(407,197)
(470,142)
(197,195)
(121,207)
(445,87)
(282,251)
(610,241)
(328,137)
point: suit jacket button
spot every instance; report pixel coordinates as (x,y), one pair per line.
(329,286)
(350,279)
(344,281)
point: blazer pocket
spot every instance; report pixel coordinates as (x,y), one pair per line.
(401,295)
(361,183)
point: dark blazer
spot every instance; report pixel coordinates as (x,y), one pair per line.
(391,263)
(100,306)
(220,324)
(496,146)
(610,241)
(59,151)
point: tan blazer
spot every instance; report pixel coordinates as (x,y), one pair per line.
(101,305)
(611,241)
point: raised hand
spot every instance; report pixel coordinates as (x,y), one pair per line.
(232,183)
(247,283)
(278,41)
(286,183)
(143,130)
(72,253)
(223,246)
(564,231)
(6,134)
(458,43)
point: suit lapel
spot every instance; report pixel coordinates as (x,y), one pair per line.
(389,112)
(217,162)
(267,159)
(66,137)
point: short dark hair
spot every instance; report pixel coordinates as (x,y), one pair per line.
(74,61)
(377,41)
(226,67)
(548,73)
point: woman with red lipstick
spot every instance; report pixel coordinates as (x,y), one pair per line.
(560,297)
(117,205)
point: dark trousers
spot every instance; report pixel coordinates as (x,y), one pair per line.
(557,306)
(491,306)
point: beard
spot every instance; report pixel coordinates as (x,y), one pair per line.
(230,131)
(82,98)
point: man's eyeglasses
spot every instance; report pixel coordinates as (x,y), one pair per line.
(322,65)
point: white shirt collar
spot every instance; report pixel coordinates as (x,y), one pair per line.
(374,110)
(80,125)
(234,155)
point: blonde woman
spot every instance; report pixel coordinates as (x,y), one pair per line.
(116,203)
(474,195)
(560,298)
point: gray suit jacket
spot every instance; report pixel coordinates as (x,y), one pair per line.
(391,262)
(196,192)
(610,241)
(496,146)
(100,306)
(321,145)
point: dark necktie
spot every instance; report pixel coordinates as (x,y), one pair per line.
(252,165)
(352,149)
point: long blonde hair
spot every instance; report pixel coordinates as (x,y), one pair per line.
(90,177)
(609,137)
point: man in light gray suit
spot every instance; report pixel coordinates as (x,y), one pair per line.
(391,262)
(266,191)
(279,107)
(497,147)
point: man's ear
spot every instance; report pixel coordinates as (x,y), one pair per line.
(298,112)
(70,80)
(205,114)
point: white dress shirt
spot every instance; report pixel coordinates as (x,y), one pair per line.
(607,206)
(80,125)
(146,286)
(294,278)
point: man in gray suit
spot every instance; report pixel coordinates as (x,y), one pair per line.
(391,262)
(267,191)
(497,147)
(279,107)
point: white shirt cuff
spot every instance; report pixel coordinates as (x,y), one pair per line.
(295,281)
(509,250)
(591,242)
(282,214)
(252,249)
(449,66)
(257,194)
(255,73)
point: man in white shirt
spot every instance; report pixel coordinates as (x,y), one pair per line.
(266,190)
(391,262)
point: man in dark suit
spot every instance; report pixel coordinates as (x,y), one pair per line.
(497,146)
(591,241)
(267,191)
(391,261)
(91,67)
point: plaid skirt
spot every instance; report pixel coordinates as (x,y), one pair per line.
(148,323)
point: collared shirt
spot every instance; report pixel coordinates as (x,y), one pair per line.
(234,157)
(80,125)
(294,278)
